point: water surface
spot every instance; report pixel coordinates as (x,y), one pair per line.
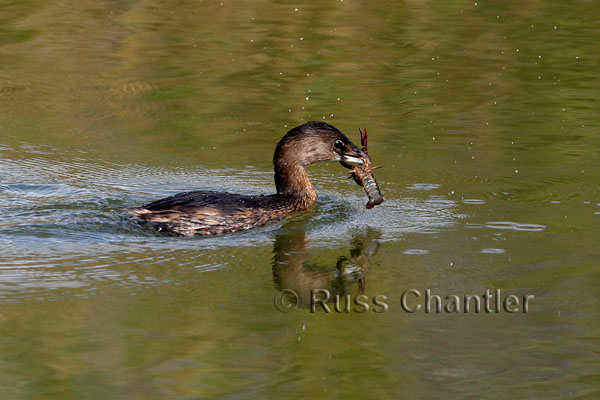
(483,114)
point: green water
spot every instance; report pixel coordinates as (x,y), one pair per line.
(485,118)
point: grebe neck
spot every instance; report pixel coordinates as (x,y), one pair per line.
(292,180)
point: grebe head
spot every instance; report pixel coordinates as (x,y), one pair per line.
(317,141)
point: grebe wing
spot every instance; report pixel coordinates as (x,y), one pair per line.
(222,207)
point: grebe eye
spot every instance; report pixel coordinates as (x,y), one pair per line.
(338,144)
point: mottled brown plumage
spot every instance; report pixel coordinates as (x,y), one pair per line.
(213,213)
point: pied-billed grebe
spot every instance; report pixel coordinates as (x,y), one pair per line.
(213,213)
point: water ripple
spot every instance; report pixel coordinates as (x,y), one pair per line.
(492,251)
(515,226)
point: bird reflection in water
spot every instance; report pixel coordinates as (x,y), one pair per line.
(292,271)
